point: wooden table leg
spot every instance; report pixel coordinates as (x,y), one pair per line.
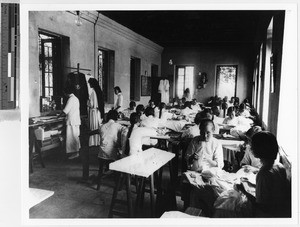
(152,195)
(129,200)
(139,194)
(115,193)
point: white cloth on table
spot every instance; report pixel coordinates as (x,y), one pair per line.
(94,118)
(73,123)
(110,140)
(151,122)
(175,125)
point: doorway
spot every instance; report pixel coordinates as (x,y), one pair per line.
(135,78)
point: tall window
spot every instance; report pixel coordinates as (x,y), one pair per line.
(50,65)
(226,80)
(106,73)
(267,79)
(185,79)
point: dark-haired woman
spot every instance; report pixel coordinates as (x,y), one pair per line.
(119,101)
(96,110)
(272,187)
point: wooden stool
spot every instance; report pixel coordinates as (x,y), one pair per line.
(102,163)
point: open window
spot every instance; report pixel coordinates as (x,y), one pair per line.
(184,80)
(52,61)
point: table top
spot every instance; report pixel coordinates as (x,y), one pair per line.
(38,195)
(38,121)
(142,163)
(176,214)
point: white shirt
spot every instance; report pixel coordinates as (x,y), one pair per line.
(140,136)
(110,140)
(72,110)
(151,122)
(211,149)
(119,102)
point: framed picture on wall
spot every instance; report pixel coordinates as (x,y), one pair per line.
(226,76)
(145,85)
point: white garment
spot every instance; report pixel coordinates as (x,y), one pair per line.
(72,111)
(152,122)
(94,118)
(72,138)
(110,140)
(73,123)
(140,136)
(119,102)
(163,88)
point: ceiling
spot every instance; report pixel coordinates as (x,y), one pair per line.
(192,28)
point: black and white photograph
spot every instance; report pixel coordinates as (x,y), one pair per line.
(150,114)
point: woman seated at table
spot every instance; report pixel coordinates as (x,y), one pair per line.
(150,121)
(249,161)
(203,153)
(231,119)
(140,111)
(111,142)
(204,150)
(129,110)
(139,136)
(187,110)
(162,112)
(243,112)
(194,131)
(195,106)
(272,194)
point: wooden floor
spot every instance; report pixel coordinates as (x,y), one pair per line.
(75,199)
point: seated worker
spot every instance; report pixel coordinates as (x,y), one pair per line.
(231,119)
(111,142)
(129,110)
(162,112)
(187,110)
(194,130)
(137,136)
(243,112)
(204,150)
(249,161)
(272,191)
(140,111)
(150,121)
(216,113)
(195,106)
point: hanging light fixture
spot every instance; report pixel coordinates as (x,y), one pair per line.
(78,20)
